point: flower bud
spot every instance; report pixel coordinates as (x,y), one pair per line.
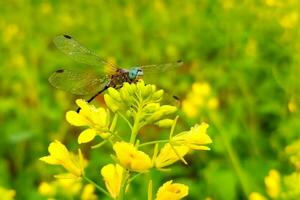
(151,107)
(157,95)
(167,109)
(111,103)
(114,94)
(126,97)
(146,91)
(165,123)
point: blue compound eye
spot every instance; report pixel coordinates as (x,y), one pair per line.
(133,73)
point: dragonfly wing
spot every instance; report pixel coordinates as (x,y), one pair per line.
(79,53)
(161,67)
(77,82)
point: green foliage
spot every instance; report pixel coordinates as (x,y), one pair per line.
(246,50)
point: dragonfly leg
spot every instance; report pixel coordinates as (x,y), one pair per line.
(93,97)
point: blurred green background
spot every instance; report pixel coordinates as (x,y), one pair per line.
(245,53)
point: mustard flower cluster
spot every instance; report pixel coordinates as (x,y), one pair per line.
(280,186)
(199,100)
(7,194)
(138,105)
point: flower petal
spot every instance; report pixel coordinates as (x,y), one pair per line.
(86,136)
(58,151)
(50,160)
(112,175)
(76,119)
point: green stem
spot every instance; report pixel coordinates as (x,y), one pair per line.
(134,132)
(126,120)
(233,158)
(135,128)
(134,177)
(99,144)
(153,142)
(97,186)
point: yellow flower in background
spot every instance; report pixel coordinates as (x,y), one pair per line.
(10,32)
(256,196)
(213,103)
(60,187)
(97,119)
(131,158)
(174,191)
(69,187)
(202,89)
(274,3)
(112,175)
(228,4)
(46,8)
(291,183)
(47,189)
(18,61)
(290,20)
(292,106)
(293,151)
(200,98)
(168,156)
(195,139)
(88,192)
(189,108)
(272,182)
(59,155)
(7,194)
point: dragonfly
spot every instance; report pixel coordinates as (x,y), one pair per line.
(97,75)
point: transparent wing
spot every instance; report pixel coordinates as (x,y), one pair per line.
(76,82)
(79,53)
(161,67)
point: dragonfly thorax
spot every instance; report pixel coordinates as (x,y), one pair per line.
(134,73)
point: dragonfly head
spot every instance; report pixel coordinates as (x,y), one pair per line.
(135,73)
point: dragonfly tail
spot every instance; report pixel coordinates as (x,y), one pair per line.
(93,97)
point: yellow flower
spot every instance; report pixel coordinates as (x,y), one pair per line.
(290,20)
(46,8)
(97,119)
(292,106)
(7,194)
(291,183)
(201,89)
(59,155)
(112,175)
(47,189)
(293,151)
(131,158)
(196,138)
(189,108)
(272,182)
(168,156)
(273,3)
(10,32)
(68,187)
(256,196)
(199,100)
(213,103)
(88,192)
(174,191)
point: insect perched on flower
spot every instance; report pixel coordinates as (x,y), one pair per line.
(94,81)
